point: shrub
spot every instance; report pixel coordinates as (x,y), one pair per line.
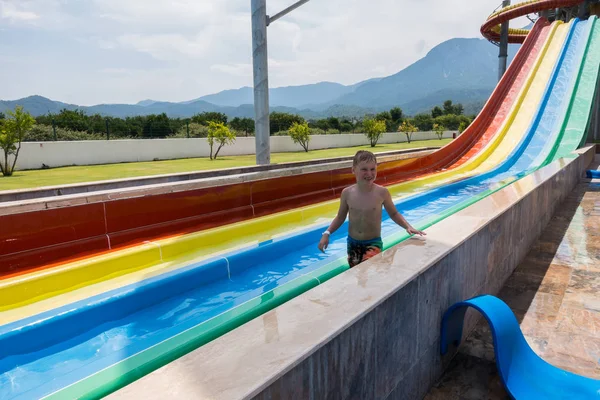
(196,131)
(408,129)
(373,130)
(12,131)
(219,134)
(317,131)
(300,133)
(44,133)
(439,130)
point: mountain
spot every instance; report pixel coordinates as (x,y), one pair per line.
(453,66)
(471,99)
(288,96)
(461,70)
(145,102)
(36,105)
(171,109)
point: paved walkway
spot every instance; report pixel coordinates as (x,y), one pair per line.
(555,294)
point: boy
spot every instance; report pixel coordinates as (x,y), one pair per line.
(363,201)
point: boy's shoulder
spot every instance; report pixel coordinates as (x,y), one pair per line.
(349,189)
(381,189)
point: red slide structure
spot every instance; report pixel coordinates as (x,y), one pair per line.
(491,28)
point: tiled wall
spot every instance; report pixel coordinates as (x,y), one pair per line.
(392,352)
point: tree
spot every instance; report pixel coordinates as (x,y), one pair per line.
(346,126)
(461,128)
(439,130)
(279,121)
(75,120)
(396,114)
(157,125)
(220,134)
(436,112)
(334,123)
(423,122)
(300,133)
(384,116)
(408,129)
(245,125)
(458,109)
(448,107)
(451,121)
(206,117)
(374,129)
(2,116)
(12,131)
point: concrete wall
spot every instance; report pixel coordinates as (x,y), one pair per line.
(181,181)
(57,154)
(393,352)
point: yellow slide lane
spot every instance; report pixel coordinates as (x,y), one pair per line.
(40,291)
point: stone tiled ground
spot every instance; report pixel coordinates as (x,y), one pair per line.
(555,294)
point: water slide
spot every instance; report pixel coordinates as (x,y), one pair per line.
(87,327)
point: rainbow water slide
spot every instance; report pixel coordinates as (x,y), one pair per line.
(86,327)
(165,254)
(52,237)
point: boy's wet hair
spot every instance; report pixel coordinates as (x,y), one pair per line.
(363,155)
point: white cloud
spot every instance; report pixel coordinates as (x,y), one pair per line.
(166,46)
(11,11)
(183,49)
(233,69)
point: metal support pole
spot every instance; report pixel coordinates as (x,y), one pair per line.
(582,12)
(261,81)
(503,54)
(286,11)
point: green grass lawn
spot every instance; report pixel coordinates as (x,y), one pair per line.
(90,173)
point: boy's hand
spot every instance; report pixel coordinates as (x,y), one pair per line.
(324,243)
(413,231)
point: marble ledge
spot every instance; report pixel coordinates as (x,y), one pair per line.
(19,206)
(251,357)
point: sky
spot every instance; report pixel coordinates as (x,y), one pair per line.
(90,52)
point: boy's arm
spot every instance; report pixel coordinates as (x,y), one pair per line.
(337,221)
(390,207)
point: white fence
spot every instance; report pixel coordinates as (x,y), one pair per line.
(58,154)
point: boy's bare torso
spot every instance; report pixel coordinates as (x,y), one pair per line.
(364,211)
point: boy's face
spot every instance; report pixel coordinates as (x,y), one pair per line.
(365,172)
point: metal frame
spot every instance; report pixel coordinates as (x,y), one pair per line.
(260,65)
(503,53)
